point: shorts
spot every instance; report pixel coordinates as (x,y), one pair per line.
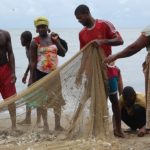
(40,75)
(7,89)
(113,85)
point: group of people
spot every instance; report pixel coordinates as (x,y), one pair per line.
(130,107)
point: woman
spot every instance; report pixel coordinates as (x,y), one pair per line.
(44,50)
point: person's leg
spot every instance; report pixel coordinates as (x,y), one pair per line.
(12,112)
(57,113)
(27,119)
(140,119)
(128,119)
(113,89)
(8,89)
(139,115)
(28,115)
(39,114)
(116,115)
(44,116)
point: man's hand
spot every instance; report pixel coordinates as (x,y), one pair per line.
(109,59)
(97,43)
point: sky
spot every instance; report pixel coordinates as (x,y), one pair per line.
(122,13)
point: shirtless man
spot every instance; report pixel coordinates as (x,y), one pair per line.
(7,73)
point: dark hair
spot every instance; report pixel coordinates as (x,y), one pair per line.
(27,36)
(128,92)
(82,9)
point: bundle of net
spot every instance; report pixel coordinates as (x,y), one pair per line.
(78,87)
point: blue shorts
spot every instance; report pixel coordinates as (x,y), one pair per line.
(113,85)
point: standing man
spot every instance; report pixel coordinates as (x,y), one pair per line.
(103,34)
(26,38)
(7,73)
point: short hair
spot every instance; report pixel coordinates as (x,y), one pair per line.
(27,36)
(82,9)
(128,92)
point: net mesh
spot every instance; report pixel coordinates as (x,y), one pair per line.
(79,86)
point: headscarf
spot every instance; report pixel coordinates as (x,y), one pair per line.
(41,21)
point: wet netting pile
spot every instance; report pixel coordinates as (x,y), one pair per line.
(81,83)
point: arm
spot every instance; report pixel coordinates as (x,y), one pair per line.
(60,43)
(115,41)
(32,61)
(130,50)
(25,75)
(11,58)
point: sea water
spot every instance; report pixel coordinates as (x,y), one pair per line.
(131,67)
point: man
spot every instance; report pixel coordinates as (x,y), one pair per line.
(7,73)
(143,41)
(26,38)
(103,34)
(133,109)
(44,50)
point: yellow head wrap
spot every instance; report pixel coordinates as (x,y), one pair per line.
(41,21)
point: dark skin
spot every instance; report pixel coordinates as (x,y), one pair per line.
(88,21)
(130,50)
(45,40)
(141,42)
(6,49)
(26,44)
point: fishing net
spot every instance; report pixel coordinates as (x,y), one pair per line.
(79,86)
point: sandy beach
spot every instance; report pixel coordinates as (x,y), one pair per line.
(29,137)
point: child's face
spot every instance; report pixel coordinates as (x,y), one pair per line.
(23,42)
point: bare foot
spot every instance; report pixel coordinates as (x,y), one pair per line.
(24,122)
(141,132)
(119,134)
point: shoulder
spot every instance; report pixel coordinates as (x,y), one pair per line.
(36,39)
(82,31)
(105,23)
(140,95)
(5,34)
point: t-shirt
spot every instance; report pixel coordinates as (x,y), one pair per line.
(140,100)
(101,30)
(113,71)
